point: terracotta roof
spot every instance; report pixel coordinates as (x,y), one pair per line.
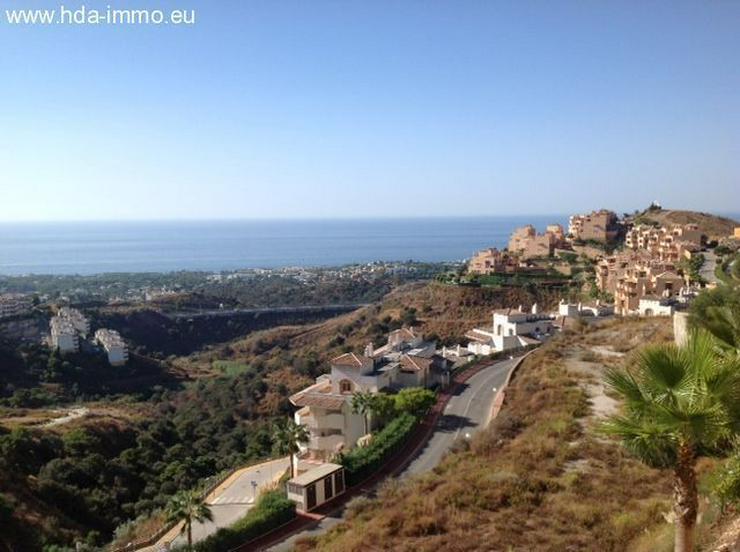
(414,363)
(407,333)
(320,397)
(351,359)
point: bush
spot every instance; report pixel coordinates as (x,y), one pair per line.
(362,461)
(272,510)
(415,401)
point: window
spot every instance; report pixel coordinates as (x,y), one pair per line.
(339,481)
(328,488)
(345,386)
(295,489)
(310,496)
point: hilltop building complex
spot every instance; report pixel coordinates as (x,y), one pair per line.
(599,226)
(528,244)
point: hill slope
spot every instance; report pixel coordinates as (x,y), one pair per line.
(715,227)
(541,478)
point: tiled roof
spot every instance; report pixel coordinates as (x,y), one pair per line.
(415,364)
(405,333)
(350,359)
(320,395)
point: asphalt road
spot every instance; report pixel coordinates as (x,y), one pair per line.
(465,413)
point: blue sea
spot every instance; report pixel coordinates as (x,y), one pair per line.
(97,247)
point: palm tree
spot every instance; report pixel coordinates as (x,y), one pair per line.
(680,402)
(187,506)
(363,403)
(718,312)
(287,436)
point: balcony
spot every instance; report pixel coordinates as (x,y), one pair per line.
(330,443)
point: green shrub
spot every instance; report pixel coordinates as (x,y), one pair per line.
(272,510)
(362,461)
(415,401)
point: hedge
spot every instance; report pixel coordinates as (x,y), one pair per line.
(360,462)
(272,510)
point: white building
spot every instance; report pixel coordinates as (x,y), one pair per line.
(114,345)
(651,305)
(406,360)
(76,318)
(512,329)
(14,304)
(63,335)
(316,486)
(579,309)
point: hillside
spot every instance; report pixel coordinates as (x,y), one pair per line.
(292,356)
(715,227)
(540,478)
(129,454)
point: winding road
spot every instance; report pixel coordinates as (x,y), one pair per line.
(466,412)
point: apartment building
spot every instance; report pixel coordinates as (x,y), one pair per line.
(610,269)
(64,336)
(599,226)
(641,280)
(511,329)
(669,244)
(78,321)
(491,261)
(325,408)
(526,243)
(113,345)
(14,304)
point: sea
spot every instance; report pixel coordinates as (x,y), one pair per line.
(98,247)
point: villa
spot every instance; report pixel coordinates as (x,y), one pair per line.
(511,330)
(580,309)
(325,408)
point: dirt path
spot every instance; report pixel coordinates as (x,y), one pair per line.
(69,415)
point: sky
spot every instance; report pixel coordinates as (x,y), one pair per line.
(316,109)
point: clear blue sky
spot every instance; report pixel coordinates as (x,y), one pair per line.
(344,108)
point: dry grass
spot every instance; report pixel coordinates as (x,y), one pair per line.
(539,479)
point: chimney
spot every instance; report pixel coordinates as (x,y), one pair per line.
(369,349)
(535,308)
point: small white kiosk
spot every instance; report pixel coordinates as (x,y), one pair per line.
(316,486)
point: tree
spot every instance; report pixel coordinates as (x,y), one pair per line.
(187,506)
(415,400)
(383,407)
(718,312)
(287,436)
(362,403)
(679,403)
